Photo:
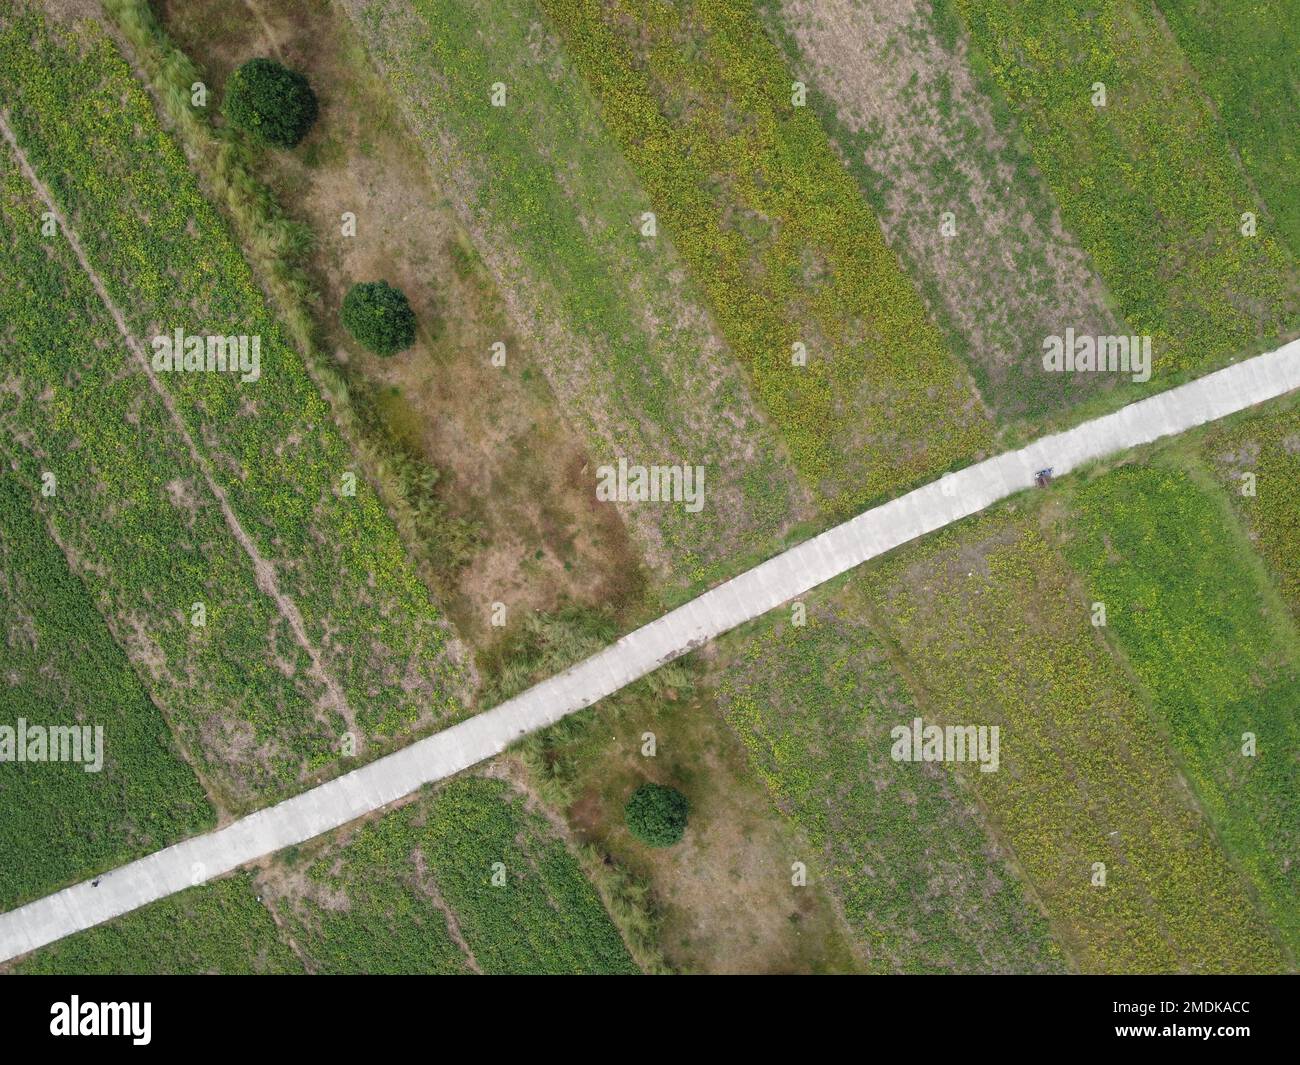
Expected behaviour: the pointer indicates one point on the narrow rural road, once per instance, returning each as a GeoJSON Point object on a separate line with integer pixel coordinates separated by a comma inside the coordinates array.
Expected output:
{"type": "Point", "coordinates": [780, 579]}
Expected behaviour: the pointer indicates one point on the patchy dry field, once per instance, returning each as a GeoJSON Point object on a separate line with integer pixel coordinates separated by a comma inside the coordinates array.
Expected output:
{"type": "Point", "coordinates": [511, 470]}
{"type": "Point", "coordinates": [556, 214]}
{"type": "Point", "coordinates": [926, 136]}
{"type": "Point", "coordinates": [834, 336]}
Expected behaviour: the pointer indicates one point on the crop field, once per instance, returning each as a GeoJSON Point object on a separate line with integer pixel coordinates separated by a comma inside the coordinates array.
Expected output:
{"type": "Point", "coordinates": [400, 882]}
{"type": "Point", "coordinates": [59, 822]}
{"type": "Point", "coordinates": [926, 134]}
{"type": "Point", "coordinates": [1265, 448]}
{"type": "Point", "coordinates": [923, 883]}
{"type": "Point", "coordinates": [216, 928]}
{"type": "Point", "coordinates": [411, 892]}
{"type": "Point", "coordinates": [1244, 55]}
{"type": "Point", "coordinates": [269, 447]}
{"type": "Point", "coordinates": [1148, 183]}
{"type": "Point", "coordinates": [556, 213]}
{"type": "Point", "coordinates": [1213, 645]}
{"type": "Point", "coordinates": [778, 236]}
{"type": "Point", "coordinates": [466, 258]}
{"type": "Point", "coordinates": [499, 526]}
{"type": "Point", "coordinates": [142, 537]}
{"type": "Point", "coordinates": [995, 630]}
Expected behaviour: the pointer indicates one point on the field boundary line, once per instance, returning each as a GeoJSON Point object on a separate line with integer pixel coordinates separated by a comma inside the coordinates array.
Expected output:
{"type": "Point", "coordinates": [263, 569]}
{"type": "Point", "coordinates": [734, 602]}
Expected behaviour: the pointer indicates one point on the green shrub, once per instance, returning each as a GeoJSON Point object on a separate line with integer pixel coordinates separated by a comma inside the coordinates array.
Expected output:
{"type": "Point", "coordinates": [379, 317]}
{"type": "Point", "coordinates": [270, 102]}
{"type": "Point", "coordinates": [657, 815]}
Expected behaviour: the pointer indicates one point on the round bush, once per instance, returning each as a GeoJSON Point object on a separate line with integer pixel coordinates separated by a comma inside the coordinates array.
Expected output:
{"type": "Point", "coordinates": [270, 102]}
{"type": "Point", "coordinates": [657, 815]}
{"type": "Point", "coordinates": [379, 317]}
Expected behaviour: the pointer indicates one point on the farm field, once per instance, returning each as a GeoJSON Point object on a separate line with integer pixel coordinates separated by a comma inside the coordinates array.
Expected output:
{"type": "Point", "coordinates": [1211, 641]}
{"type": "Point", "coordinates": [273, 453]}
{"type": "Point", "coordinates": [813, 249]}
{"type": "Point", "coordinates": [411, 891]}
{"type": "Point", "coordinates": [556, 213]}
{"type": "Point", "coordinates": [722, 899]}
{"type": "Point", "coordinates": [924, 883]}
{"type": "Point", "coordinates": [144, 564]}
{"type": "Point", "coordinates": [994, 629]}
{"type": "Point", "coordinates": [777, 235]}
{"type": "Point", "coordinates": [60, 822]}
{"type": "Point", "coordinates": [1244, 56]}
{"type": "Point", "coordinates": [219, 927]}
{"type": "Point", "coordinates": [1148, 183]}
{"type": "Point", "coordinates": [926, 134]}
{"type": "Point", "coordinates": [1265, 448]}
{"type": "Point", "coordinates": [418, 886]}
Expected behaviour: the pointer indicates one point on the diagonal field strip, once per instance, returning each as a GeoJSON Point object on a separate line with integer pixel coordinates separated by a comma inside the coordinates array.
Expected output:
{"type": "Point", "coordinates": [263, 569]}
{"type": "Point", "coordinates": [730, 604]}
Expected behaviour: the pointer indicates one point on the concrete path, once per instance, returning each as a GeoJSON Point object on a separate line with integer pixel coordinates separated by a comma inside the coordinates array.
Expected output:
{"type": "Point", "coordinates": [782, 578]}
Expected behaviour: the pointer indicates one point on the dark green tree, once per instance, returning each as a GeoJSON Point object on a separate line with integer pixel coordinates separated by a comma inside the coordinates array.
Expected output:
{"type": "Point", "coordinates": [379, 317]}
{"type": "Point", "coordinates": [270, 102]}
{"type": "Point", "coordinates": [657, 814]}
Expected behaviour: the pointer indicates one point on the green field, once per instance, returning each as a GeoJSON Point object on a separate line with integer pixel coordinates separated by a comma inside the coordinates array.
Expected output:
{"type": "Point", "coordinates": [1244, 54]}
{"type": "Point", "coordinates": [59, 823]}
{"type": "Point", "coordinates": [922, 883]}
{"type": "Point", "coordinates": [409, 892]}
{"type": "Point", "coordinates": [374, 904]}
{"type": "Point", "coordinates": [777, 234]}
{"type": "Point", "coordinates": [215, 928]}
{"type": "Point", "coordinates": [1267, 447]}
{"type": "Point", "coordinates": [270, 446]}
{"type": "Point", "coordinates": [1148, 183]}
{"type": "Point", "coordinates": [1205, 633]}
{"type": "Point", "coordinates": [994, 629]}
{"type": "Point", "coordinates": [147, 544]}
